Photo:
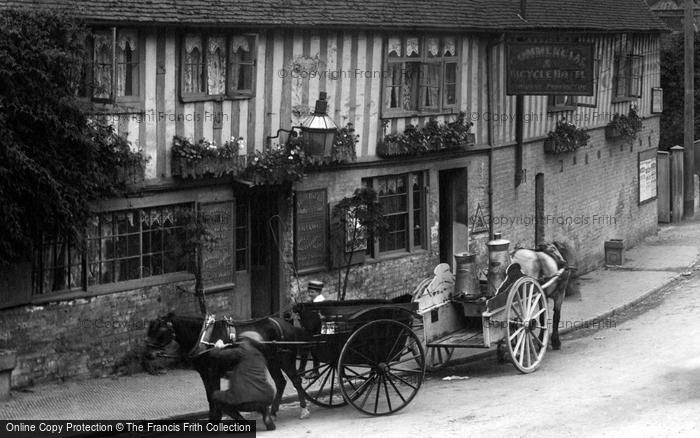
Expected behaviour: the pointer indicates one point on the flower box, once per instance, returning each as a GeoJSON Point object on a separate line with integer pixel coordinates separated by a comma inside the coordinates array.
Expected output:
{"type": "Point", "coordinates": [392, 149]}
{"type": "Point", "coordinates": [612, 132]}
{"type": "Point", "coordinates": [132, 173]}
{"type": "Point", "coordinates": [207, 166]}
{"type": "Point", "coordinates": [552, 146]}
{"type": "Point", "coordinates": [565, 137]}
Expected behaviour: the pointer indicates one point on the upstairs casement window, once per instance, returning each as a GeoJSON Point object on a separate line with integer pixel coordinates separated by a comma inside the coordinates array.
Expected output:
{"type": "Point", "coordinates": [421, 75]}
{"type": "Point", "coordinates": [114, 75]}
{"type": "Point", "coordinates": [217, 66]}
{"type": "Point", "coordinates": [627, 79]}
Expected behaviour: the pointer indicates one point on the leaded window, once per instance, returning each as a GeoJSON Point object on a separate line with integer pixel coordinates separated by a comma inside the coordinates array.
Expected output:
{"type": "Point", "coordinates": [114, 71]}
{"type": "Point", "coordinates": [217, 65]}
{"type": "Point", "coordinates": [403, 200]}
{"type": "Point", "coordinates": [421, 74]}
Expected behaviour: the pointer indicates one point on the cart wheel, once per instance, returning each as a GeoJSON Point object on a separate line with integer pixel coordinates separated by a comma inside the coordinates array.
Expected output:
{"type": "Point", "coordinates": [381, 367]}
{"type": "Point", "coordinates": [438, 357]}
{"type": "Point", "coordinates": [527, 332]}
{"type": "Point", "coordinates": [320, 384]}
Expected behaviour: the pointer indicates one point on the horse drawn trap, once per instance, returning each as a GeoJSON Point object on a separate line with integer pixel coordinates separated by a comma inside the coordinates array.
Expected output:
{"type": "Point", "coordinates": [364, 352]}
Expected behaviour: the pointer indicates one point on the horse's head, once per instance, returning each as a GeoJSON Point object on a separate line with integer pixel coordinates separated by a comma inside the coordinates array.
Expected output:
{"type": "Point", "coordinates": [160, 332]}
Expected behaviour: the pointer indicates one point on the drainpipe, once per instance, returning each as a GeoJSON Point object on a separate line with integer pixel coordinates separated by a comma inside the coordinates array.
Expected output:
{"type": "Point", "coordinates": [491, 135]}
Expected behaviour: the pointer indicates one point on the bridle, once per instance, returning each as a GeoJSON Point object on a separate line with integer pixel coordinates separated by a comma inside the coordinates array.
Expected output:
{"type": "Point", "coordinates": [160, 348]}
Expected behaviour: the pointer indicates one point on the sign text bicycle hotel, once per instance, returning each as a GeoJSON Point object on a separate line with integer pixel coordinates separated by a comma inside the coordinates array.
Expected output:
{"type": "Point", "coordinates": [550, 68]}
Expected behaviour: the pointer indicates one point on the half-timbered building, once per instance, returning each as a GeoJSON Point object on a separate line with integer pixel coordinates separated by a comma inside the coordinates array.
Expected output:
{"type": "Point", "coordinates": [242, 70]}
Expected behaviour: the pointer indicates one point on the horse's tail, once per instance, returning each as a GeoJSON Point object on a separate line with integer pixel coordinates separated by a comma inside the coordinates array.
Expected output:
{"type": "Point", "coordinates": [569, 255]}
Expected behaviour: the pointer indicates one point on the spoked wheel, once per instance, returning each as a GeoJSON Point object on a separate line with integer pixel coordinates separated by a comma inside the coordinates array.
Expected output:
{"type": "Point", "coordinates": [320, 384]}
{"type": "Point", "coordinates": [438, 357]}
{"type": "Point", "coordinates": [381, 367]}
{"type": "Point", "coordinates": [527, 332]}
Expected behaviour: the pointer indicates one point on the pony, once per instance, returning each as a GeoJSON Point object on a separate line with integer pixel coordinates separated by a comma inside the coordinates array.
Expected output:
{"type": "Point", "coordinates": [188, 332]}
{"type": "Point", "coordinates": [542, 264]}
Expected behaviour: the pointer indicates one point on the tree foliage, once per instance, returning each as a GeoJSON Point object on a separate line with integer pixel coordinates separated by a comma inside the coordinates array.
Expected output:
{"type": "Point", "coordinates": [54, 158]}
{"type": "Point", "coordinates": [672, 82]}
{"type": "Point", "coordinates": [357, 218]}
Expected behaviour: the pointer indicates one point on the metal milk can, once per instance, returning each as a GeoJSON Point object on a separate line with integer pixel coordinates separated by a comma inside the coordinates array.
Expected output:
{"type": "Point", "coordinates": [499, 259]}
{"type": "Point", "coordinates": [466, 282]}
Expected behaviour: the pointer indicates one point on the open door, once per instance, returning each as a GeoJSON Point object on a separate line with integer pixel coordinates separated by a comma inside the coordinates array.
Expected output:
{"type": "Point", "coordinates": [264, 255]}
{"type": "Point", "coordinates": [454, 223]}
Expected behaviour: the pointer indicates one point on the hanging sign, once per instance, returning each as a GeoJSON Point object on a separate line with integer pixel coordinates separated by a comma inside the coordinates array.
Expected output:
{"type": "Point", "coordinates": [544, 68]}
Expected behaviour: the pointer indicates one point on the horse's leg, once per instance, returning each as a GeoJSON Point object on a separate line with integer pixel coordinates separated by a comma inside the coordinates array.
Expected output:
{"type": "Point", "coordinates": [280, 384]}
{"type": "Point", "coordinates": [288, 366]}
{"type": "Point", "coordinates": [207, 380]}
{"type": "Point", "coordinates": [556, 318]}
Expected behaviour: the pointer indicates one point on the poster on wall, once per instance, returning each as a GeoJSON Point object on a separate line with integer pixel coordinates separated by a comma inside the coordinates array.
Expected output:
{"type": "Point", "coordinates": [647, 176]}
{"type": "Point", "coordinates": [310, 230]}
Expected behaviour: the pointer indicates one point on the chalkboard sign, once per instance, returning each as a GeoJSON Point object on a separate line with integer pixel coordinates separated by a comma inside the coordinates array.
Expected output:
{"type": "Point", "coordinates": [310, 230]}
{"type": "Point", "coordinates": [217, 256]}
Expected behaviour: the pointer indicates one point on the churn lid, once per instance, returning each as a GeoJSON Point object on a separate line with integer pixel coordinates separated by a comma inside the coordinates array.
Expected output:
{"type": "Point", "coordinates": [497, 241]}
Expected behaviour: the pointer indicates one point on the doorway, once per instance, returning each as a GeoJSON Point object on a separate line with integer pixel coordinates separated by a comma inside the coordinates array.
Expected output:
{"type": "Point", "coordinates": [264, 254]}
{"type": "Point", "coordinates": [454, 220]}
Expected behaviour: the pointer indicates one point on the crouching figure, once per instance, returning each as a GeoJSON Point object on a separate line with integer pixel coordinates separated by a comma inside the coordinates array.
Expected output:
{"type": "Point", "coordinates": [251, 388]}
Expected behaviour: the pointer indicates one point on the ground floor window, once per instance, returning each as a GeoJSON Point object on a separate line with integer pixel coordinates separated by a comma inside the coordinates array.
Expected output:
{"type": "Point", "coordinates": [120, 246]}
{"type": "Point", "coordinates": [403, 201]}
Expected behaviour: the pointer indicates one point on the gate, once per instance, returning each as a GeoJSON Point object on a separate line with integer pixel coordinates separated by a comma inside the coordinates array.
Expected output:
{"type": "Point", "coordinates": [663, 190]}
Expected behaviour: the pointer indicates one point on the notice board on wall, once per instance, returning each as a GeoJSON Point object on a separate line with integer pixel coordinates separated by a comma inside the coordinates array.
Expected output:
{"type": "Point", "coordinates": [217, 255]}
{"type": "Point", "coordinates": [310, 230]}
{"type": "Point", "coordinates": [647, 175]}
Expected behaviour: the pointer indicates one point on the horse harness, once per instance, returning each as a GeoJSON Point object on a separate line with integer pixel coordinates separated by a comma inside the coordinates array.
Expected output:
{"type": "Point", "coordinates": [231, 334]}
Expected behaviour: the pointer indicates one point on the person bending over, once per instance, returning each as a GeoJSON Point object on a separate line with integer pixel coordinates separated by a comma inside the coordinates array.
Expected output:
{"type": "Point", "coordinates": [251, 388]}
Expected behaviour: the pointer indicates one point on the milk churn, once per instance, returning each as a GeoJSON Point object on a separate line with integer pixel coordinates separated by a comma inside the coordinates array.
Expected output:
{"type": "Point", "coordinates": [466, 282]}
{"type": "Point", "coordinates": [499, 259]}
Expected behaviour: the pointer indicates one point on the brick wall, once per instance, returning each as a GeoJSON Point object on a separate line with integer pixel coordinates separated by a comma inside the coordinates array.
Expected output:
{"type": "Point", "coordinates": [591, 195]}
{"type": "Point", "coordinates": [87, 336]}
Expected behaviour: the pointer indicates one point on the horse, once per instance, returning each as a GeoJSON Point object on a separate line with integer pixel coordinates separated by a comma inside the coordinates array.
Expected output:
{"type": "Point", "coordinates": [188, 332]}
{"type": "Point", "coordinates": [542, 264]}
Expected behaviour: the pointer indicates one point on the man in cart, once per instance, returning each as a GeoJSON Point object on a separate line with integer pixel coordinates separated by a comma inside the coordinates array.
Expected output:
{"type": "Point", "coordinates": [251, 387]}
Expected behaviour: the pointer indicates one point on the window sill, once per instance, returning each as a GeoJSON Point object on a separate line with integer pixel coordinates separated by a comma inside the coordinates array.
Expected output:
{"type": "Point", "coordinates": [105, 289]}
{"type": "Point", "coordinates": [217, 98]}
{"type": "Point", "coordinates": [119, 107]}
{"type": "Point", "coordinates": [407, 114]}
{"type": "Point", "coordinates": [623, 99]}
{"type": "Point", "coordinates": [561, 109]}
{"type": "Point", "coordinates": [395, 255]}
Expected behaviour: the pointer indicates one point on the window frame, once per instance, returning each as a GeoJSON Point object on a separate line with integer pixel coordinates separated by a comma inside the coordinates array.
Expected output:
{"type": "Point", "coordinates": [631, 80]}
{"type": "Point", "coordinates": [204, 95]}
{"type": "Point", "coordinates": [410, 246]}
{"type": "Point", "coordinates": [596, 84]}
{"type": "Point", "coordinates": [553, 106]}
{"type": "Point", "coordinates": [87, 87]}
{"type": "Point", "coordinates": [423, 61]}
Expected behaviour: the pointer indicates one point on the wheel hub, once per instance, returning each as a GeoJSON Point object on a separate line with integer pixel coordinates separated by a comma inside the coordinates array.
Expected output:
{"type": "Point", "coordinates": [532, 325]}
